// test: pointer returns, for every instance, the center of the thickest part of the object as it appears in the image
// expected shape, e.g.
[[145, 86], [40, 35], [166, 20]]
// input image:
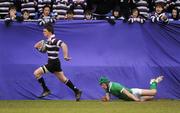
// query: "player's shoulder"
[[116, 84], [53, 39]]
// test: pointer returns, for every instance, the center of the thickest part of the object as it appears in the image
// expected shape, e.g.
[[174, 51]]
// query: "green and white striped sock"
[[153, 85]]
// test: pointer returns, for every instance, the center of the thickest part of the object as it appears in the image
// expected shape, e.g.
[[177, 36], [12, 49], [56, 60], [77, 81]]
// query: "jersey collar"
[[109, 86], [52, 36]]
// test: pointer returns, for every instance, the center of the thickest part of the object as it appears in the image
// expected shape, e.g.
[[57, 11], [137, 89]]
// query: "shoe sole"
[[159, 79], [48, 93], [78, 99]]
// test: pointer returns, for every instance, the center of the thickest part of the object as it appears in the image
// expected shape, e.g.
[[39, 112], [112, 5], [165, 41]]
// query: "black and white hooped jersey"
[[46, 19], [161, 1], [42, 3], [4, 6], [138, 19], [78, 9], [157, 17], [143, 8], [29, 6], [52, 47], [60, 8], [177, 4]]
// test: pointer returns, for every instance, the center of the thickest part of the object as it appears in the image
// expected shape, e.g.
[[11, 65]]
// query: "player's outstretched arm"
[[108, 96], [65, 51], [126, 92]]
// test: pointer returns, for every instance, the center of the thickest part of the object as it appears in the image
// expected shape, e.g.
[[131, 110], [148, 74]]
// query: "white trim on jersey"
[[4, 13], [51, 46], [52, 52], [45, 70], [110, 85], [78, 10], [6, 3], [4, 8], [49, 39], [52, 57], [61, 11], [58, 43], [53, 40], [78, 16], [29, 9], [122, 90]]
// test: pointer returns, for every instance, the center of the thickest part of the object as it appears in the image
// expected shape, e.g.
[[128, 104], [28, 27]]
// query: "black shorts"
[[52, 66]]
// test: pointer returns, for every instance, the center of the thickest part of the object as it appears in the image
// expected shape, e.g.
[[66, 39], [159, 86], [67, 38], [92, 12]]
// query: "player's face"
[[88, 16], [104, 86], [12, 12], [26, 16], [135, 14], [159, 9], [70, 16], [174, 13], [46, 11], [78, 1], [116, 13], [46, 32]]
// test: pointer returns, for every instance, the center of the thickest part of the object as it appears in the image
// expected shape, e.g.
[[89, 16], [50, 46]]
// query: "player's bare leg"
[[153, 87], [149, 92], [147, 98], [63, 78], [38, 74]]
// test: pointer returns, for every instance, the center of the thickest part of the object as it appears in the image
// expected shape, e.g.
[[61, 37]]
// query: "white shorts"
[[137, 92]]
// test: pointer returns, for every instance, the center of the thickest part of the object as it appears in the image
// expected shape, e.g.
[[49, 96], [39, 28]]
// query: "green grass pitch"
[[88, 106]]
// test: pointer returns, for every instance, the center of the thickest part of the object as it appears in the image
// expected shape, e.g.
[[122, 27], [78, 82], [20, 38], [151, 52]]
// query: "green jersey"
[[116, 89]]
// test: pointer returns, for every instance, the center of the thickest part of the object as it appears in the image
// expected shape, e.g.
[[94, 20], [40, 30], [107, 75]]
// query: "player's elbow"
[[154, 91], [63, 45], [64, 48]]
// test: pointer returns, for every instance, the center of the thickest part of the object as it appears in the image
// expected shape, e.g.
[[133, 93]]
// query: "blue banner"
[[131, 54]]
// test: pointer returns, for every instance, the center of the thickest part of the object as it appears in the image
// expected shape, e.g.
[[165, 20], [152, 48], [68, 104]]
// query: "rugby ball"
[[42, 49]]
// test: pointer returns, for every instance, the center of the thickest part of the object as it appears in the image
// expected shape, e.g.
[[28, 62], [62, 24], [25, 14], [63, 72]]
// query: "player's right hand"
[[67, 58]]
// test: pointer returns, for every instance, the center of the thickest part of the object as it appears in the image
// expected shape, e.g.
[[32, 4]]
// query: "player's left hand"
[[164, 18], [67, 58], [104, 99]]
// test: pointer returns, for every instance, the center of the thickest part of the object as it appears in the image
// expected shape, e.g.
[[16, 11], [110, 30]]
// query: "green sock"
[[153, 85]]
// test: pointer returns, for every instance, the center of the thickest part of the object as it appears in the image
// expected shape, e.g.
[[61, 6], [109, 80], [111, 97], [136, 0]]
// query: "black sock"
[[70, 85], [43, 84]]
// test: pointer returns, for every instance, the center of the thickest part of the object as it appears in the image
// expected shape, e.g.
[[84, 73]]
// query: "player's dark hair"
[[47, 6], [177, 17], [160, 5], [70, 11], [134, 10], [49, 27], [12, 7], [25, 11]]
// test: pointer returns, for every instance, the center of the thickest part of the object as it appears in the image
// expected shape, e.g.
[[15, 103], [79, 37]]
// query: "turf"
[[85, 106]]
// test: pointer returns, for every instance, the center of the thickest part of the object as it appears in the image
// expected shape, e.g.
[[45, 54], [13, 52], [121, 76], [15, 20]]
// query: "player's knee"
[[154, 91], [37, 74]]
